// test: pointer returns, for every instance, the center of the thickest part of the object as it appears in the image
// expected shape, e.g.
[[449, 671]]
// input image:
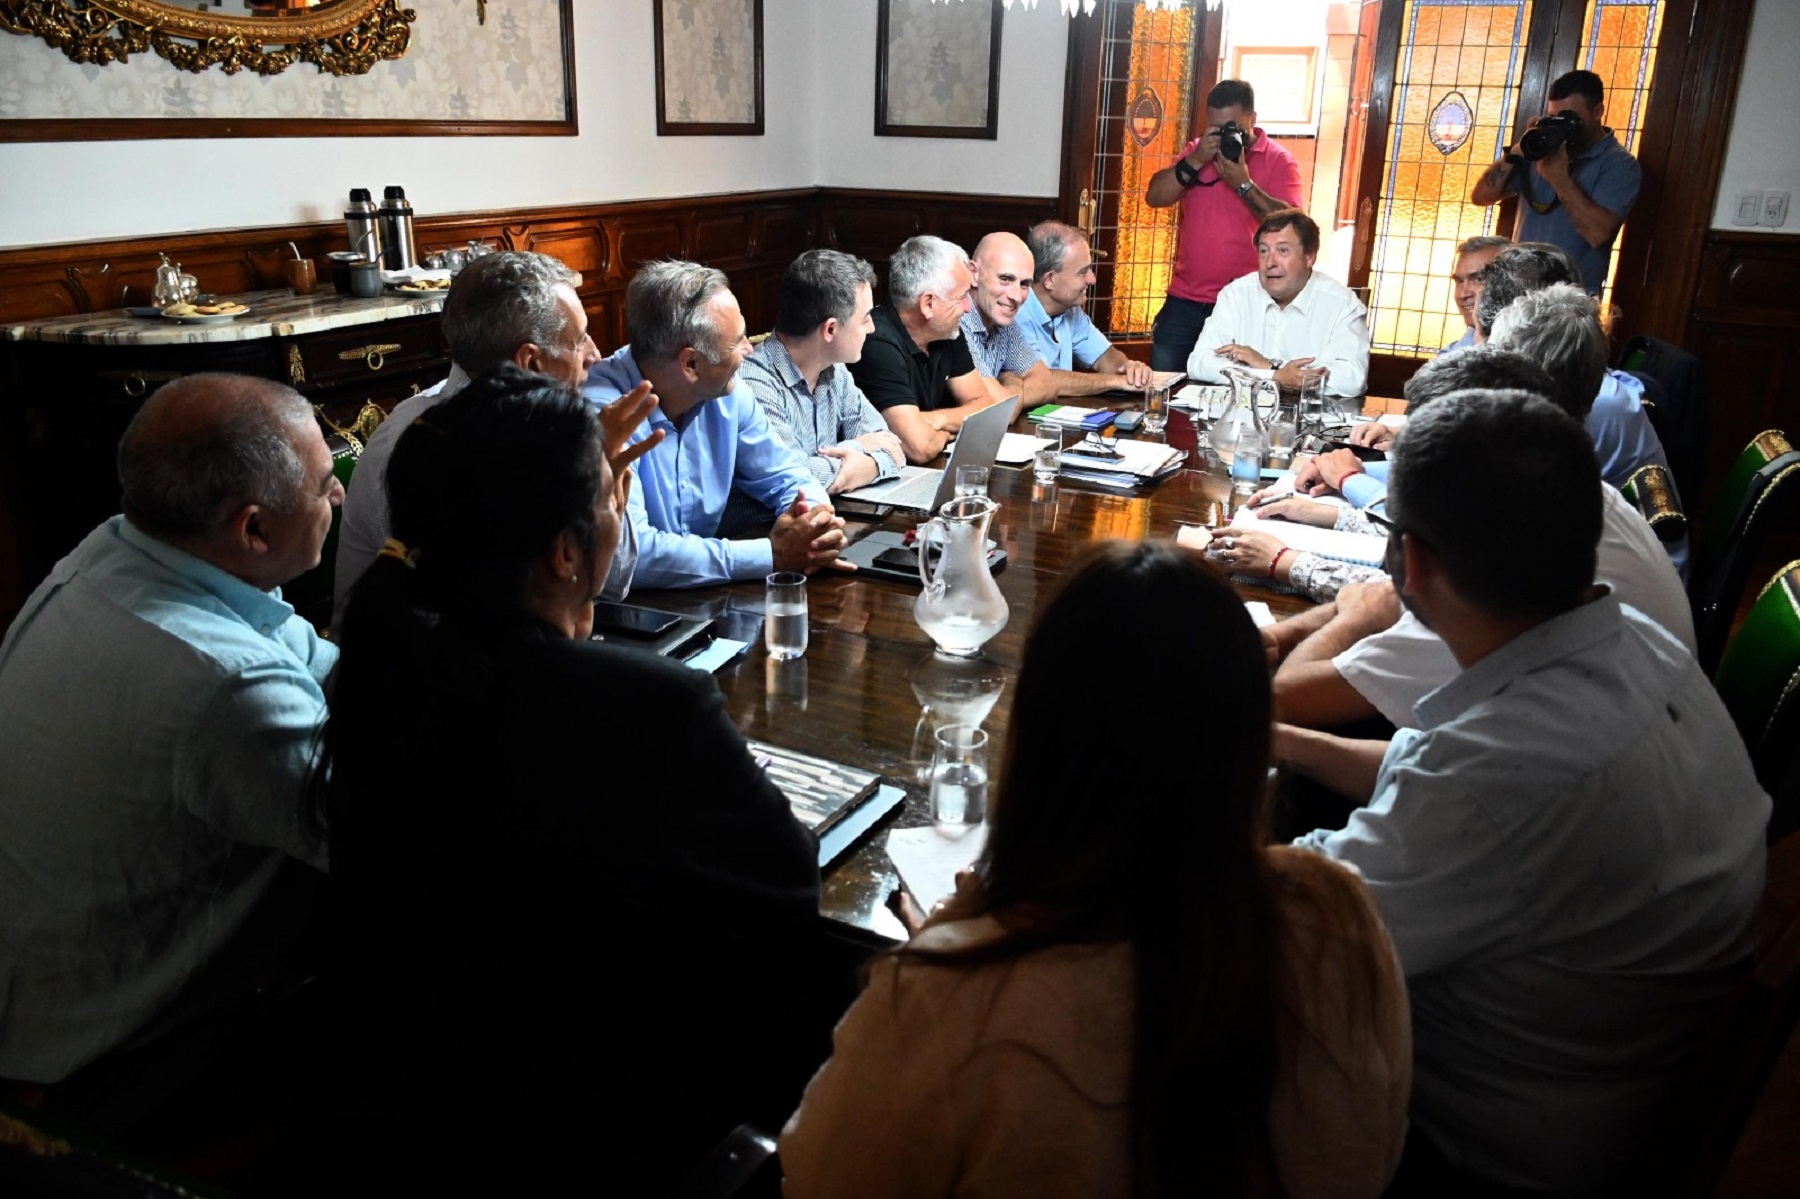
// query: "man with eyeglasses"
[[513, 306], [916, 367]]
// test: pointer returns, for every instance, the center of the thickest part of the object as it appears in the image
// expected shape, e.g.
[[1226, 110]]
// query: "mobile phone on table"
[[644, 624], [1128, 419]]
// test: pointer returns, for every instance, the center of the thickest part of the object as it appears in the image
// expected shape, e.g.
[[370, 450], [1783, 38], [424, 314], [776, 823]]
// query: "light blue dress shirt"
[[1003, 349], [1466, 341], [1625, 441], [1569, 854], [1061, 341], [684, 483], [158, 718]]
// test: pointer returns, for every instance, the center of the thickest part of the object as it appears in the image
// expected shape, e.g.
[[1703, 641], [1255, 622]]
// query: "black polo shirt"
[[894, 371]]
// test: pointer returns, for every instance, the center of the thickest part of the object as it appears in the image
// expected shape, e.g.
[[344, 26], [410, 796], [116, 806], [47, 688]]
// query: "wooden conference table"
[[871, 688]]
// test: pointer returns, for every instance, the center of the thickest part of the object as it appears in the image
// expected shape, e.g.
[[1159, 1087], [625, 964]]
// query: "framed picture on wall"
[[709, 67], [937, 69], [1285, 78]]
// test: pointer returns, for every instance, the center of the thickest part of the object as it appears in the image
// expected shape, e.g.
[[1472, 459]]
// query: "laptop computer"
[[922, 489]]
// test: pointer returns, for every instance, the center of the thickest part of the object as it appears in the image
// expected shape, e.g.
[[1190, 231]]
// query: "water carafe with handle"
[[961, 607]]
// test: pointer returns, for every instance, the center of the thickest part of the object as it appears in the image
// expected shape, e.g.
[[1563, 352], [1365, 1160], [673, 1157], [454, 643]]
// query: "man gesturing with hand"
[[687, 343]]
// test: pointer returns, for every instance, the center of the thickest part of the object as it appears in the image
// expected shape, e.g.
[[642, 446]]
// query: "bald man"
[[159, 707], [1008, 364]]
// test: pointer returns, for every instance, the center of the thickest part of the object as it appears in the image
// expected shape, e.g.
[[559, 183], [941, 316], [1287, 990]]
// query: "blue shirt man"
[[160, 705], [997, 351], [1578, 194], [1061, 340], [683, 484]]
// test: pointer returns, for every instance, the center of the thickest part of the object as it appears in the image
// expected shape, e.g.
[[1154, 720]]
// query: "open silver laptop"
[[922, 489]]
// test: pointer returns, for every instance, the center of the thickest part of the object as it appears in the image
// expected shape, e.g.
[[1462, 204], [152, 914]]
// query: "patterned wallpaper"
[[709, 64], [938, 63], [455, 70]]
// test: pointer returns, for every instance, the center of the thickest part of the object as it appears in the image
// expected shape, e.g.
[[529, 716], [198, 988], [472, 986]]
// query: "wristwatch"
[[1243, 189], [1274, 364]]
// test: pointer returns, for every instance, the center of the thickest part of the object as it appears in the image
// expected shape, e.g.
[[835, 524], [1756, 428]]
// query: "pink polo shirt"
[[1218, 230]]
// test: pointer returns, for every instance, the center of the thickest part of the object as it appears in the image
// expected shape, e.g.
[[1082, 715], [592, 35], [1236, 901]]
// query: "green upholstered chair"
[[1759, 680], [1651, 490], [1760, 491]]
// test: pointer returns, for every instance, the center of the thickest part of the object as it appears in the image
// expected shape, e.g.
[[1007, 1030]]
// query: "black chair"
[[1676, 402], [1758, 493]]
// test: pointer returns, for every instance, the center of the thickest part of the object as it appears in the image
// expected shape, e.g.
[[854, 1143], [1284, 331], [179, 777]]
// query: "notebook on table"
[[838, 803], [922, 489]]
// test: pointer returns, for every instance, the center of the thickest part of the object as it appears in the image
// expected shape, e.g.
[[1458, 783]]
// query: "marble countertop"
[[277, 313]]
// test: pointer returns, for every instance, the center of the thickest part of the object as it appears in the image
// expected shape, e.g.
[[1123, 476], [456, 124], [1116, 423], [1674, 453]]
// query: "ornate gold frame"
[[347, 39]]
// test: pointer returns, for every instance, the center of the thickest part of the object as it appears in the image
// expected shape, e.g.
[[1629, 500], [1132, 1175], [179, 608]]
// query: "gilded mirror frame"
[[348, 38], [352, 29]]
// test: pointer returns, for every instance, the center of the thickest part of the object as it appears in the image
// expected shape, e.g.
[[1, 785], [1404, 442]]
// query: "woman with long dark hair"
[[562, 885], [1132, 994]]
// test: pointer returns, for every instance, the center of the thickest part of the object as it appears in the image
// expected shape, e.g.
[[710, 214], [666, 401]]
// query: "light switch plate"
[[1749, 208], [1774, 208]]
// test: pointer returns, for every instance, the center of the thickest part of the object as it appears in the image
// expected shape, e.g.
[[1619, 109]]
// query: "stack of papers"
[[1209, 400], [1139, 462], [1018, 449]]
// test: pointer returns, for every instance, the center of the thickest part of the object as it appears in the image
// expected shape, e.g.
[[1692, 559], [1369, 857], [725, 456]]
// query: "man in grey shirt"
[[513, 306], [1568, 851], [800, 375]]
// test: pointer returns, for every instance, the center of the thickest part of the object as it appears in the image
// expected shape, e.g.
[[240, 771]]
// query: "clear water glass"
[[1047, 464], [1156, 409], [784, 615], [959, 775], [971, 480], [1246, 462]]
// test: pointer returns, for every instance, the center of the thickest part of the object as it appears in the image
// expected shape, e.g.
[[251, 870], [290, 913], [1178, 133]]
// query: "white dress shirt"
[[1325, 322], [1395, 668]]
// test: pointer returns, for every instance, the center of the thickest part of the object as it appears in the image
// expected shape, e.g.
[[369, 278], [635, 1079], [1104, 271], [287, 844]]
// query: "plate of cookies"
[[421, 285], [216, 313]]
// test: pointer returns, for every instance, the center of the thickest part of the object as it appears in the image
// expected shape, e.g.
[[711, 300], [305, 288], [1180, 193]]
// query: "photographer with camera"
[[1576, 182], [1226, 182]]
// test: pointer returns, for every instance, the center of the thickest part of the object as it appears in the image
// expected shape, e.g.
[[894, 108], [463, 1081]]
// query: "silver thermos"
[[396, 221], [362, 224]]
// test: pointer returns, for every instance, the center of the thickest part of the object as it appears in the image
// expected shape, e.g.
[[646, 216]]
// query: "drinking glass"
[[1048, 462], [1281, 433], [959, 775], [971, 480], [784, 617], [1312, 400], [1156, 409], [1246, 462]]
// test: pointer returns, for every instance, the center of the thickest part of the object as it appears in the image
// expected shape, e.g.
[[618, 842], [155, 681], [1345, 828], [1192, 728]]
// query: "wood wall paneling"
[[1745, 329]]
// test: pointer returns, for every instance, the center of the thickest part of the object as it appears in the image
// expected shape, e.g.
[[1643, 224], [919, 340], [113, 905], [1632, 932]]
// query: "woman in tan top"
[[1131, 994]]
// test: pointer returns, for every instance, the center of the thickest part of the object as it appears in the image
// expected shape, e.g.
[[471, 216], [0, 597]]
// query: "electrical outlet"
[[1774, 208], [1749, 209]]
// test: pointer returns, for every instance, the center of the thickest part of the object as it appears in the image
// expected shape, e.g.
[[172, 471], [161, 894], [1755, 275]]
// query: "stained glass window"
[[1456, 57], [1148, 59]]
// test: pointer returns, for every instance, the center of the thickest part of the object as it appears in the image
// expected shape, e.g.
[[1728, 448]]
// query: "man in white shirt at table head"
[[1286, 316], [1053, 321]]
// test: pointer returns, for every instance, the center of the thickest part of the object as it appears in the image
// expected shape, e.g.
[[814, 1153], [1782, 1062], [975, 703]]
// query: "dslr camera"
[[1234, 139], [1542, 139]]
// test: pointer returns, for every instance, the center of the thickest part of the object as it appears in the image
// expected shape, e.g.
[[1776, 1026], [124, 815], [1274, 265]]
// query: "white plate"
[[205, 318]]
